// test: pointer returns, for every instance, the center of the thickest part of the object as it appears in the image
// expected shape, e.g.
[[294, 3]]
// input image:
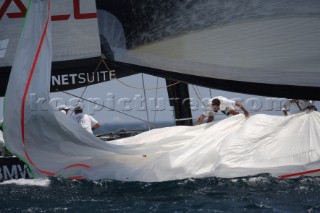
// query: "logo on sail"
[[82, 78]]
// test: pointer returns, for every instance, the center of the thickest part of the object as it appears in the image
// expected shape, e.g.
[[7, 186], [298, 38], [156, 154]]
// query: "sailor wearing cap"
[[86, 121]]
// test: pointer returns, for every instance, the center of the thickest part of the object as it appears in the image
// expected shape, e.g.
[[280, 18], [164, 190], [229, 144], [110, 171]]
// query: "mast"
[[179, 99]]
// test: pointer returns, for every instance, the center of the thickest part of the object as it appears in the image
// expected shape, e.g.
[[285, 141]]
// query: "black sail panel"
[[275, 90], [259, 47]]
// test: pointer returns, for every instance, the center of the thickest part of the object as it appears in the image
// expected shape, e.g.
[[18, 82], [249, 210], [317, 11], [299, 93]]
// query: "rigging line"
[[145, 99], [114, 77], [155, 102], [146, 88], [102, 105], [210, 93], [85, 87], [198, 96], [176, 99], [199, 92]]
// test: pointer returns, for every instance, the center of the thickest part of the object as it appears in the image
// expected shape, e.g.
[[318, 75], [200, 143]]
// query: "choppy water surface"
[[258, 193]]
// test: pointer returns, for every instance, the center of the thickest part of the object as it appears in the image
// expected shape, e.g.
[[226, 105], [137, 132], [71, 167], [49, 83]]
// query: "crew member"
[[299, 105], [86, 121], [223, 104]]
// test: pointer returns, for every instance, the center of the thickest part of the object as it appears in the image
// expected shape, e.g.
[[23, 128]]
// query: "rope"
[[155, 103], [102, 105], [176, 104], [92, 78], [145, 98], [200, 99], [85, 88], [133, 87], [146, 88]]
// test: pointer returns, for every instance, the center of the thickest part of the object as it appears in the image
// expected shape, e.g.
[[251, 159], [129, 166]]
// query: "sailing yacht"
[[255, 48]]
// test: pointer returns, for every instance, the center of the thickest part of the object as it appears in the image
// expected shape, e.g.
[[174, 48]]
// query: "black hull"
[[13, 168]]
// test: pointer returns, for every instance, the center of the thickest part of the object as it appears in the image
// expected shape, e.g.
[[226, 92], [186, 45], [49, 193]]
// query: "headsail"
[[32, 64], [256, 46], [28, 120]]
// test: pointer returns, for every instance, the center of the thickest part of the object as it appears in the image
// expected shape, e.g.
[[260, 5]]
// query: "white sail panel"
[[75, 29], [33, 56]]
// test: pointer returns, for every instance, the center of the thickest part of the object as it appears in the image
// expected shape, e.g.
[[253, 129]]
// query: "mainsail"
[[261, 47], [54, 145]]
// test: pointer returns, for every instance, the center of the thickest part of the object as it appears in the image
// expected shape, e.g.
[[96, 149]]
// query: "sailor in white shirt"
[[296, 105], [223, 104], [86, 121]]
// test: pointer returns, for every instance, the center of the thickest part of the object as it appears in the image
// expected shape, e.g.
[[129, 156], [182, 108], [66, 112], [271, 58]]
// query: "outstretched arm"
[[285, 112], [245, 111], [210, 119], [200, 119], [285, 107], [96, 126]]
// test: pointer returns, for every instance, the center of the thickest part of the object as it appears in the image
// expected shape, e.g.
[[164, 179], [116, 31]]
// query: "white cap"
[[61, 107], [79, 106]]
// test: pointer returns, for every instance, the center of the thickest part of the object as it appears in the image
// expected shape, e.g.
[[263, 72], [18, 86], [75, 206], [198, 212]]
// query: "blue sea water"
[[261, 193]]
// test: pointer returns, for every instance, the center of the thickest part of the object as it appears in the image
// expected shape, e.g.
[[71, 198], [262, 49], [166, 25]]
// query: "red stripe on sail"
[[299, 173], [78, 165], [35, 60], [76, 177]]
